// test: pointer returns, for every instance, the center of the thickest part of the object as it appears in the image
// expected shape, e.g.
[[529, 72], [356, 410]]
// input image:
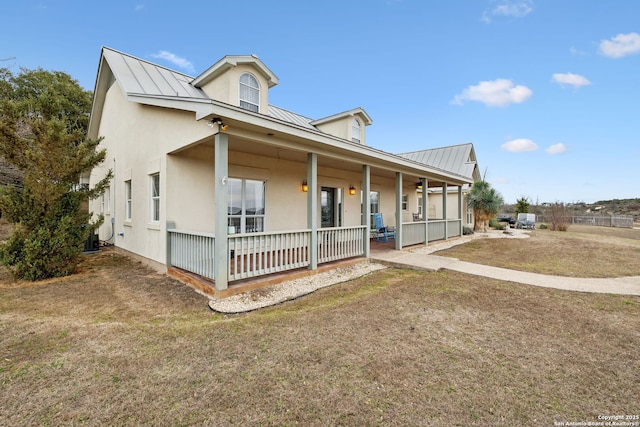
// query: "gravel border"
[[292, 289]]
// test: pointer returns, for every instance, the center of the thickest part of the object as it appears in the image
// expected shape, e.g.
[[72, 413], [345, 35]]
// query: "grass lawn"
[[117, 344], [582, 251]]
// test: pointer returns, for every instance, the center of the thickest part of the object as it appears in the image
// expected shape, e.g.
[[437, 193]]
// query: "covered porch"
[[301, 230]]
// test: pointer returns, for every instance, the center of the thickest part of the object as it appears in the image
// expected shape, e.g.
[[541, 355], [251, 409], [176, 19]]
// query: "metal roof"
[[137, 76], [459, 159]]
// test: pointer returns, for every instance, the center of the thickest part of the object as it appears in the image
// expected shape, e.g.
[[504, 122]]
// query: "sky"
[[548, 91]]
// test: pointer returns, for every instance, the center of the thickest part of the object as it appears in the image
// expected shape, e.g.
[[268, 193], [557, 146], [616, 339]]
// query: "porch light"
[[352, 191], [419, 185], [218, 121], [304, 186]]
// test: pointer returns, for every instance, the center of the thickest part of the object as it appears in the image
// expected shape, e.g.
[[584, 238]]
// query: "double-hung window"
[[249, 93], [246, 210], [127, 200], [155, 197], [355, 131]]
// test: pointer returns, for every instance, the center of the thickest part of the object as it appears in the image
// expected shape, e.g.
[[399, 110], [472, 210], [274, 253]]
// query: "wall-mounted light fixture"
[[218, 121], [419, 185], [304, 186], [352, 190]]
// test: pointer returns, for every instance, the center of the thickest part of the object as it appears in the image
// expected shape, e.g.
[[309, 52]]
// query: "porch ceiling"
[[282, 146]]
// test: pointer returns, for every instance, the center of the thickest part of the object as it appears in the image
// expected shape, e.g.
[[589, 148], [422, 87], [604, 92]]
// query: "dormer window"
[[355, 131], [249, 93]]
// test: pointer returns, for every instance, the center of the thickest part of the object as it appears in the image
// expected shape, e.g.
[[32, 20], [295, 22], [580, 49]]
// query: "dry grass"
[[583, 251], [120, 345]]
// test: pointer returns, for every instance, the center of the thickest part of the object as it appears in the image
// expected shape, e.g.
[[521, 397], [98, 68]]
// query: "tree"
[[485, 202], [43, 123], [522, 205]]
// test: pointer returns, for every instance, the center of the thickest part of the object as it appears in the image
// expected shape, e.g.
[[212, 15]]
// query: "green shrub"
[[467, 231], [543, 227], [50, 250]]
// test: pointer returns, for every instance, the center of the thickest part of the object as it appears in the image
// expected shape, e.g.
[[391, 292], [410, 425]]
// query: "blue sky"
[[547, 90]]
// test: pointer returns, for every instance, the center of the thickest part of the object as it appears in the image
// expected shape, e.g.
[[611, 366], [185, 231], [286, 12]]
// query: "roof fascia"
[[99, 93]]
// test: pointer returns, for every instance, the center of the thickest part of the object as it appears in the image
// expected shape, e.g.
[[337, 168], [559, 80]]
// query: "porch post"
[[398, 210], [312, 208], [444, 210], [425, 209], [460, 207], [170, 226], [221, 252], [366, 208]]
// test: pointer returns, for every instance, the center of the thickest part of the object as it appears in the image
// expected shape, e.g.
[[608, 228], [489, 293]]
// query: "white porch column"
[[425, 209], [398, 210], [312, 208], [366, 208], [460, 208], [444, 210], [221, 251]]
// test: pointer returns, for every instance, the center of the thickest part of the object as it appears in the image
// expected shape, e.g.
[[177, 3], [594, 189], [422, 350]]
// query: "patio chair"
[[381, 232]]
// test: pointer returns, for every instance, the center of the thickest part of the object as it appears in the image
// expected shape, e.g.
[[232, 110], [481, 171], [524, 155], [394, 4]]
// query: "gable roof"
[[231, 61], [459, 159], [142, 80], [350, 113]]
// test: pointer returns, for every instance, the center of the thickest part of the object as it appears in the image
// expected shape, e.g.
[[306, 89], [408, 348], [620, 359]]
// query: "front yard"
[[117, 344]]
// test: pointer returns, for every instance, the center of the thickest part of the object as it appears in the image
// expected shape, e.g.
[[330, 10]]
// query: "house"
[[211, 179]]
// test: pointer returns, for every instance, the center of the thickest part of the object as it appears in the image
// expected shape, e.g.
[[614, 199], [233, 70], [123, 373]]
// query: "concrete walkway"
[[422, 259]]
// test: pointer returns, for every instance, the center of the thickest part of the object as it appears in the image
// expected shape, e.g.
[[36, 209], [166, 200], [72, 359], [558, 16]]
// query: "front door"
[[327, 207]]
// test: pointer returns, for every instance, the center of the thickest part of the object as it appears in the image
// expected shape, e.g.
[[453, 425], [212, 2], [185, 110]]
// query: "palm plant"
[[485, 202]]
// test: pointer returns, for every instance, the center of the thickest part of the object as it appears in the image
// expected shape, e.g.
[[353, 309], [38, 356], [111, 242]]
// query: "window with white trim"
[[155, 197], [405, 202], [246, 208], [127, 200], [355, 131], [249, 93]]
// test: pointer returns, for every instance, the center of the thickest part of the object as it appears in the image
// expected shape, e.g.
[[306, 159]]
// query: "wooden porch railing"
[[257, 254], [340, 242], [192, 251]]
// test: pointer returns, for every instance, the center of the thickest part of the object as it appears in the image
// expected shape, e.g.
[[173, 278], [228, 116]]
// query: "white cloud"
[[520, 145], [558, 148], [621, 45], [577, 52], [500, 180], [138, 7], [575, 80], [515, 8], [174, 59], [497, 93]]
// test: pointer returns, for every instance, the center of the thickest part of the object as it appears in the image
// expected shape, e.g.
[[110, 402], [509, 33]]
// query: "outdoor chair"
[[380, 232]]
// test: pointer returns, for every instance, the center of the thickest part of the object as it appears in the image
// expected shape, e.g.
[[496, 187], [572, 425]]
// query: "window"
[[355, 131], [246, 208], [155, 197], [405, 202], [127, 198], [420, 207], [249, 93], [374, 198], [469, 216]]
